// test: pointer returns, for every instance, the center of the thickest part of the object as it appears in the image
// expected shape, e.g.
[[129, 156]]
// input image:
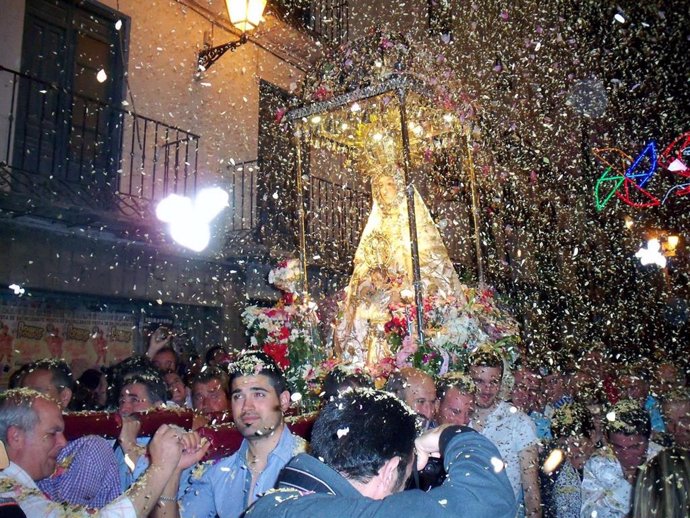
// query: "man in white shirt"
[[610, 474], [511, 430], [31, 427]]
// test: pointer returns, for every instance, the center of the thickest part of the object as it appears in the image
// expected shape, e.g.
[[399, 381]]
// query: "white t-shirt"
[[511, 431], [605, 489]]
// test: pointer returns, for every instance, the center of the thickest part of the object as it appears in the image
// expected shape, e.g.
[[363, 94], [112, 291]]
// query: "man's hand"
[[199, 421], [129, 433], [159, 339], [165, 449], [426, 445], [194, 447]]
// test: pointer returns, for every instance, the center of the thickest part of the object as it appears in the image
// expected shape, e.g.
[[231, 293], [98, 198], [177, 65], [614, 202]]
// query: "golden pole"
[[414, 243], [301, 214], [475, 207]]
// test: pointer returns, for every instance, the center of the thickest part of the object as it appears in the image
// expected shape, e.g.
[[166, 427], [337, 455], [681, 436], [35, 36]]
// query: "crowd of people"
[[559, 441]]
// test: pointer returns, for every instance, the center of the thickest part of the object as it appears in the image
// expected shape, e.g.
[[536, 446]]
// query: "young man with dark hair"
[[676, 408], [609, 476], [259, 398], [512, 431], [88, 473], [363, 445]]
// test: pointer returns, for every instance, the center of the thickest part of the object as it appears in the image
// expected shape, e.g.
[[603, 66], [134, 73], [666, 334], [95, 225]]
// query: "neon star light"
[[628, 178], [617, 174]]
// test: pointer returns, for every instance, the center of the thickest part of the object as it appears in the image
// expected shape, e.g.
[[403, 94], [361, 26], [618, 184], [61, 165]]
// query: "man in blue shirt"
[[363, 445], [140, 392], [259, 396]]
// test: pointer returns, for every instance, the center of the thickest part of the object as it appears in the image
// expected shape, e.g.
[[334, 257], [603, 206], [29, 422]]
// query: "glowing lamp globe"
[[245, 15]]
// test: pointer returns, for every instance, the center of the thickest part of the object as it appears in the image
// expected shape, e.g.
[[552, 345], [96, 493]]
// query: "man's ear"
[[15, 438], [389, 473], [284, 398]]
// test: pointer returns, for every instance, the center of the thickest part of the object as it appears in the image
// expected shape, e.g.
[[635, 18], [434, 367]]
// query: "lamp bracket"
[[209, 56]]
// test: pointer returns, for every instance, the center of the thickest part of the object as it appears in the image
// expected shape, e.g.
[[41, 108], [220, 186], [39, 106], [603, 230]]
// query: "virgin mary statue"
[[382, 272]]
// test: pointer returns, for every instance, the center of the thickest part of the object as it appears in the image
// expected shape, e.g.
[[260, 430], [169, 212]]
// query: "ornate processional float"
[[388, 109]]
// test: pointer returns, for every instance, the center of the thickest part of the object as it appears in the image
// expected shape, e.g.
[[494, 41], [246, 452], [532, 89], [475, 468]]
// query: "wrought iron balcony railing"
[[327, 20], [62, 152], [336, 216]]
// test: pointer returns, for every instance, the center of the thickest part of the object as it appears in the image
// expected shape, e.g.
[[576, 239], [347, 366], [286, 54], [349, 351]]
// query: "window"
[[66, 127]]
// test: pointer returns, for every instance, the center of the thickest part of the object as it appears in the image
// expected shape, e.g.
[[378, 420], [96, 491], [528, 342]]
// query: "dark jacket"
[[473, 488]]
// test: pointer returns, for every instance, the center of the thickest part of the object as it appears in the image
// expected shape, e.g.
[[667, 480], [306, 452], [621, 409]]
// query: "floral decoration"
[[286, 276], [286, 332], [453, 329]]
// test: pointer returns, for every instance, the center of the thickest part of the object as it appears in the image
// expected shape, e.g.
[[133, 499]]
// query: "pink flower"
[[408, 348], [321, 94], [280, 113]]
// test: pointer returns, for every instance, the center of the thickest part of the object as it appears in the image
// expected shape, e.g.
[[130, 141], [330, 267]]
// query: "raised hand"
[[165, 449], [159, 339], [427, 445], [128, 434], [194, 447]]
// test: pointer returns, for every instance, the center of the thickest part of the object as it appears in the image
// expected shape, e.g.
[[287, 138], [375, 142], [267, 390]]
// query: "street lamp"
[[245, 15]]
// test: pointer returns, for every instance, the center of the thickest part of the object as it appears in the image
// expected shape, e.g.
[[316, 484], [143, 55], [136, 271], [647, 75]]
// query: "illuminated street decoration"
[[190, 220], [616, 175], [636, 172], [676, 160], [612, 181], [634, 175]]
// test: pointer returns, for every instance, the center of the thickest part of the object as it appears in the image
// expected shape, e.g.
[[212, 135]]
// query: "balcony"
[[325, 20], [69, 158], [335, 217], [74, 160]]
